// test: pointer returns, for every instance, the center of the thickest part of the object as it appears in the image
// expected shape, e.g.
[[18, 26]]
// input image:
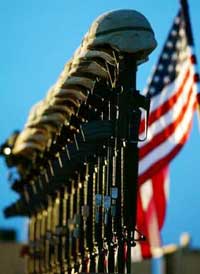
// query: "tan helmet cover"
[[125, 30]]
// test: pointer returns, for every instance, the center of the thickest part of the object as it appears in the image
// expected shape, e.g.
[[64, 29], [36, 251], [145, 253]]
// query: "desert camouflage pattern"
[[107, 36]]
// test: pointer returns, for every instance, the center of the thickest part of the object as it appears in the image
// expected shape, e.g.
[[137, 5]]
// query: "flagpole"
[[188, 27]]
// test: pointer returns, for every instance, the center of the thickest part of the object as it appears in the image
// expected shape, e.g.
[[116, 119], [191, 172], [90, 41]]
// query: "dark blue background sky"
[[37, 38]]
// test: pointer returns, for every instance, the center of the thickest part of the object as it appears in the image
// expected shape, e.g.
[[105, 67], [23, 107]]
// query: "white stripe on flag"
[[163, 149], [171, 115], [164, 96]]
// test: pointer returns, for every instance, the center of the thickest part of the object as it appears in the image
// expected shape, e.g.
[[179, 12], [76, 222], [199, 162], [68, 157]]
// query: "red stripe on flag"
[[164, 134], [152, 225], [193, 59], [159, 194], [196, 78], [142, 227], [165, 160], [164, 108], [198, 98], [151, 205]]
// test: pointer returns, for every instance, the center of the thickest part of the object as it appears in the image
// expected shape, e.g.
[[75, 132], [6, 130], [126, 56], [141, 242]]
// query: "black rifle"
[[64, 238], [31, 261], [43, 235], [58, 229], [130, 102], [77, 222], [49, 236], [114, 192], [94, 257], [85, 214], [71, 226]]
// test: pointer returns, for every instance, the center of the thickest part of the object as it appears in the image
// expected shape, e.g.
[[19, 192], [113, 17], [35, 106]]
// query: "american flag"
[[173, 92]]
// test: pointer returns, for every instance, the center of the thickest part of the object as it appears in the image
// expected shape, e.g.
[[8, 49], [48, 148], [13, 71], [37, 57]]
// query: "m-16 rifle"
[[85, 214]]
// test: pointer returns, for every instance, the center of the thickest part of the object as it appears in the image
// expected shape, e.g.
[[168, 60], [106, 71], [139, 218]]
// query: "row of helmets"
[[124, 31]]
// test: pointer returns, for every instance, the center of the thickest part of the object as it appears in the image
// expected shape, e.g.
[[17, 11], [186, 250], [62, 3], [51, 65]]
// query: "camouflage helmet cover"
[[125, 30]]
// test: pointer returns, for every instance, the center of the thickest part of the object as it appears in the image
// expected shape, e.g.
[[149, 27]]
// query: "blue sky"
[[37, 38]]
